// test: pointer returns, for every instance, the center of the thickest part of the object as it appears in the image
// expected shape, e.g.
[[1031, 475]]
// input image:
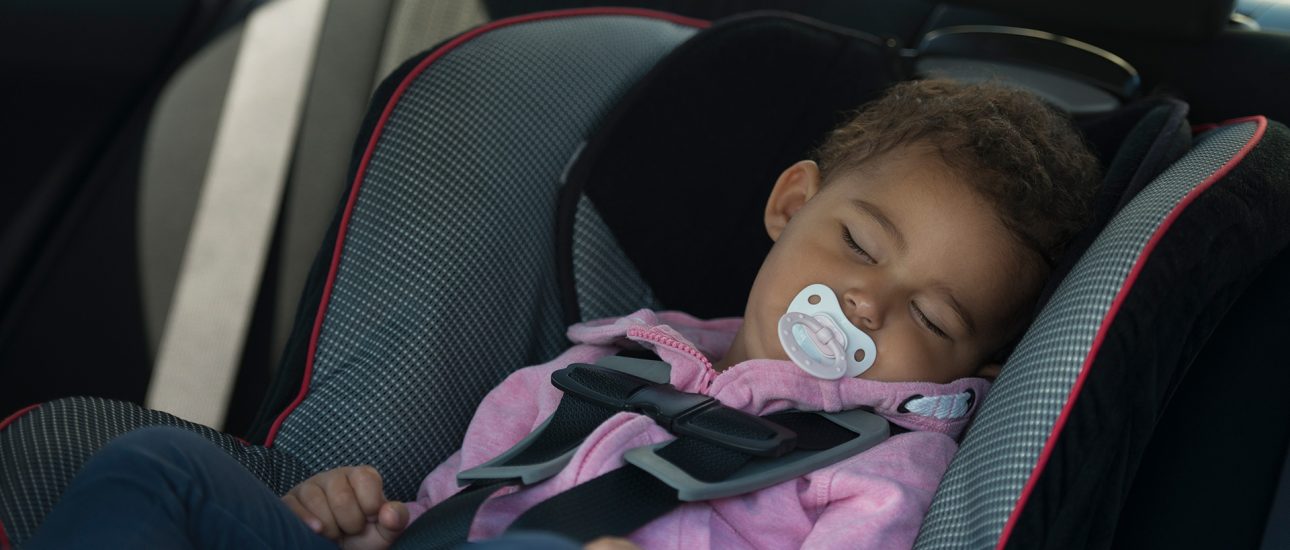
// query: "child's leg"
[[170, 488]]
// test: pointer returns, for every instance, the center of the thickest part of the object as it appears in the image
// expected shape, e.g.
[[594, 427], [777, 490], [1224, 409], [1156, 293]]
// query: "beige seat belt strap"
[[205, 330]]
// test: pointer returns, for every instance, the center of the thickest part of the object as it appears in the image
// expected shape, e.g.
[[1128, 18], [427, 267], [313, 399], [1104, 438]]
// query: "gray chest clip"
[[635, 385]]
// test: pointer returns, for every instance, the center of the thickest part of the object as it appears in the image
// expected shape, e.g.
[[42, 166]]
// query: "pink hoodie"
[[876, 499]]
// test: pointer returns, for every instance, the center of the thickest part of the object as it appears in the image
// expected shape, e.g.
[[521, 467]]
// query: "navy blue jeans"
[[170, 488]]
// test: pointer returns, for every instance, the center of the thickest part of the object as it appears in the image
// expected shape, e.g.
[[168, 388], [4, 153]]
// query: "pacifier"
[[820, 339]]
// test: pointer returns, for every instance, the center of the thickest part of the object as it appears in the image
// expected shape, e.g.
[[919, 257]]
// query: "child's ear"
[[794, 187], [989, 371]]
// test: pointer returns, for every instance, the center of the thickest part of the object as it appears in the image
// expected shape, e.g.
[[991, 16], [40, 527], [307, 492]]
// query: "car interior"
[[423, 168]]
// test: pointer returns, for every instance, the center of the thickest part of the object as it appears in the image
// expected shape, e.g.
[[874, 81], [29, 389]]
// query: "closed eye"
[[923, 320], [851, 242]]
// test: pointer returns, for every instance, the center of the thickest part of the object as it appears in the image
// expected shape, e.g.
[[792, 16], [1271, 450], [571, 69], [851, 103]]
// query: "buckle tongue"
[[667, 405], [682, 413]]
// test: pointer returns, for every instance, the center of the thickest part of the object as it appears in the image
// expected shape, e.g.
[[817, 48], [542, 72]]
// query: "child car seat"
[[436, 278]]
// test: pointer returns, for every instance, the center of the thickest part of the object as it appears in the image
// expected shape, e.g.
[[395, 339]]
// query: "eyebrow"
[[883, 220], [891, 229]]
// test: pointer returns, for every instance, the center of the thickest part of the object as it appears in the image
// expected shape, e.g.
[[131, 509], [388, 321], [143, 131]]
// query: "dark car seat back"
[[451, 259]]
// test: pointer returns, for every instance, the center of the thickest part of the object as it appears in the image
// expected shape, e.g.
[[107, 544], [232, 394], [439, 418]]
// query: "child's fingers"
[[344, 504], [392, 520], [610, 543], [315, 501], [299, 510], [366, 482]]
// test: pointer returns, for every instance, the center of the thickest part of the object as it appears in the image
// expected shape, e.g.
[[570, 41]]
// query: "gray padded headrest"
[[1009, 445]]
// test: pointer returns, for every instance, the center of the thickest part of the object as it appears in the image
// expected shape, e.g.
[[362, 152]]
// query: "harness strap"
[[707, 460], [539, 456], [625, 499], [621, 501], [448, 523]]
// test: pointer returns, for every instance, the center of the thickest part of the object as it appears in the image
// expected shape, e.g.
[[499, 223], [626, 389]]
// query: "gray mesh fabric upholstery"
[[446, 281], [1003, 446], [44, 449], [607, 283]]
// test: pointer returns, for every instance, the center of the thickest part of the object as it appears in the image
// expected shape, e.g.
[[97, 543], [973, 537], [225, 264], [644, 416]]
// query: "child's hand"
[[347, 505], [611, 543]]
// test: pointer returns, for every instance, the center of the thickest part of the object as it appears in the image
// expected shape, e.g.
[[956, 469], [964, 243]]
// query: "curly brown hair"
[[1023, 156]]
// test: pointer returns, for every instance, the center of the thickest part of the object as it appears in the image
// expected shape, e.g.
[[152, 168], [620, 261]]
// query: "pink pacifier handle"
[[827, 336], [825, 339]]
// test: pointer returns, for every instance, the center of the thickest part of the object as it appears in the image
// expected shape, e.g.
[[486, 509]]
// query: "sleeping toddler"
[[907, 260]]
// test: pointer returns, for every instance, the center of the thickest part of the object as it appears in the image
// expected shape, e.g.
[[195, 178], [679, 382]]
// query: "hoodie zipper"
[[710, 372]]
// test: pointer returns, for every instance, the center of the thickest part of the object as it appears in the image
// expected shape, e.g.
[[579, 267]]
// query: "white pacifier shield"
[[819, 338]]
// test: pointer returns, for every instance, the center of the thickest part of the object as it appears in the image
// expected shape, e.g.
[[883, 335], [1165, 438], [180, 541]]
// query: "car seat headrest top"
[[1074, 76], [1189, 20]]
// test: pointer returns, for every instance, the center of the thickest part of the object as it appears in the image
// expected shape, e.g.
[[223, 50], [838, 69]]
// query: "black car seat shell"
[[446, 238]]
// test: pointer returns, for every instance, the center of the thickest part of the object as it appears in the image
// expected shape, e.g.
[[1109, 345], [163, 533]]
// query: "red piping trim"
[[1115, 308], [4, 538], [376, 134], [11, 418]]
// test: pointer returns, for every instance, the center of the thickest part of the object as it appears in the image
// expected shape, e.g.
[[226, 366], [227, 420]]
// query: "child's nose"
[[863, 308]]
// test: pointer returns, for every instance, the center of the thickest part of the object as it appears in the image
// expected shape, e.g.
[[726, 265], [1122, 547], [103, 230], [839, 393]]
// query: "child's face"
[[940, 285]]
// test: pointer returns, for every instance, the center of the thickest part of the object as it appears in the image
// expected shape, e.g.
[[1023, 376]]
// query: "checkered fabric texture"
[[447, 278], [44, 449], [1003, 446], [606, 281]]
